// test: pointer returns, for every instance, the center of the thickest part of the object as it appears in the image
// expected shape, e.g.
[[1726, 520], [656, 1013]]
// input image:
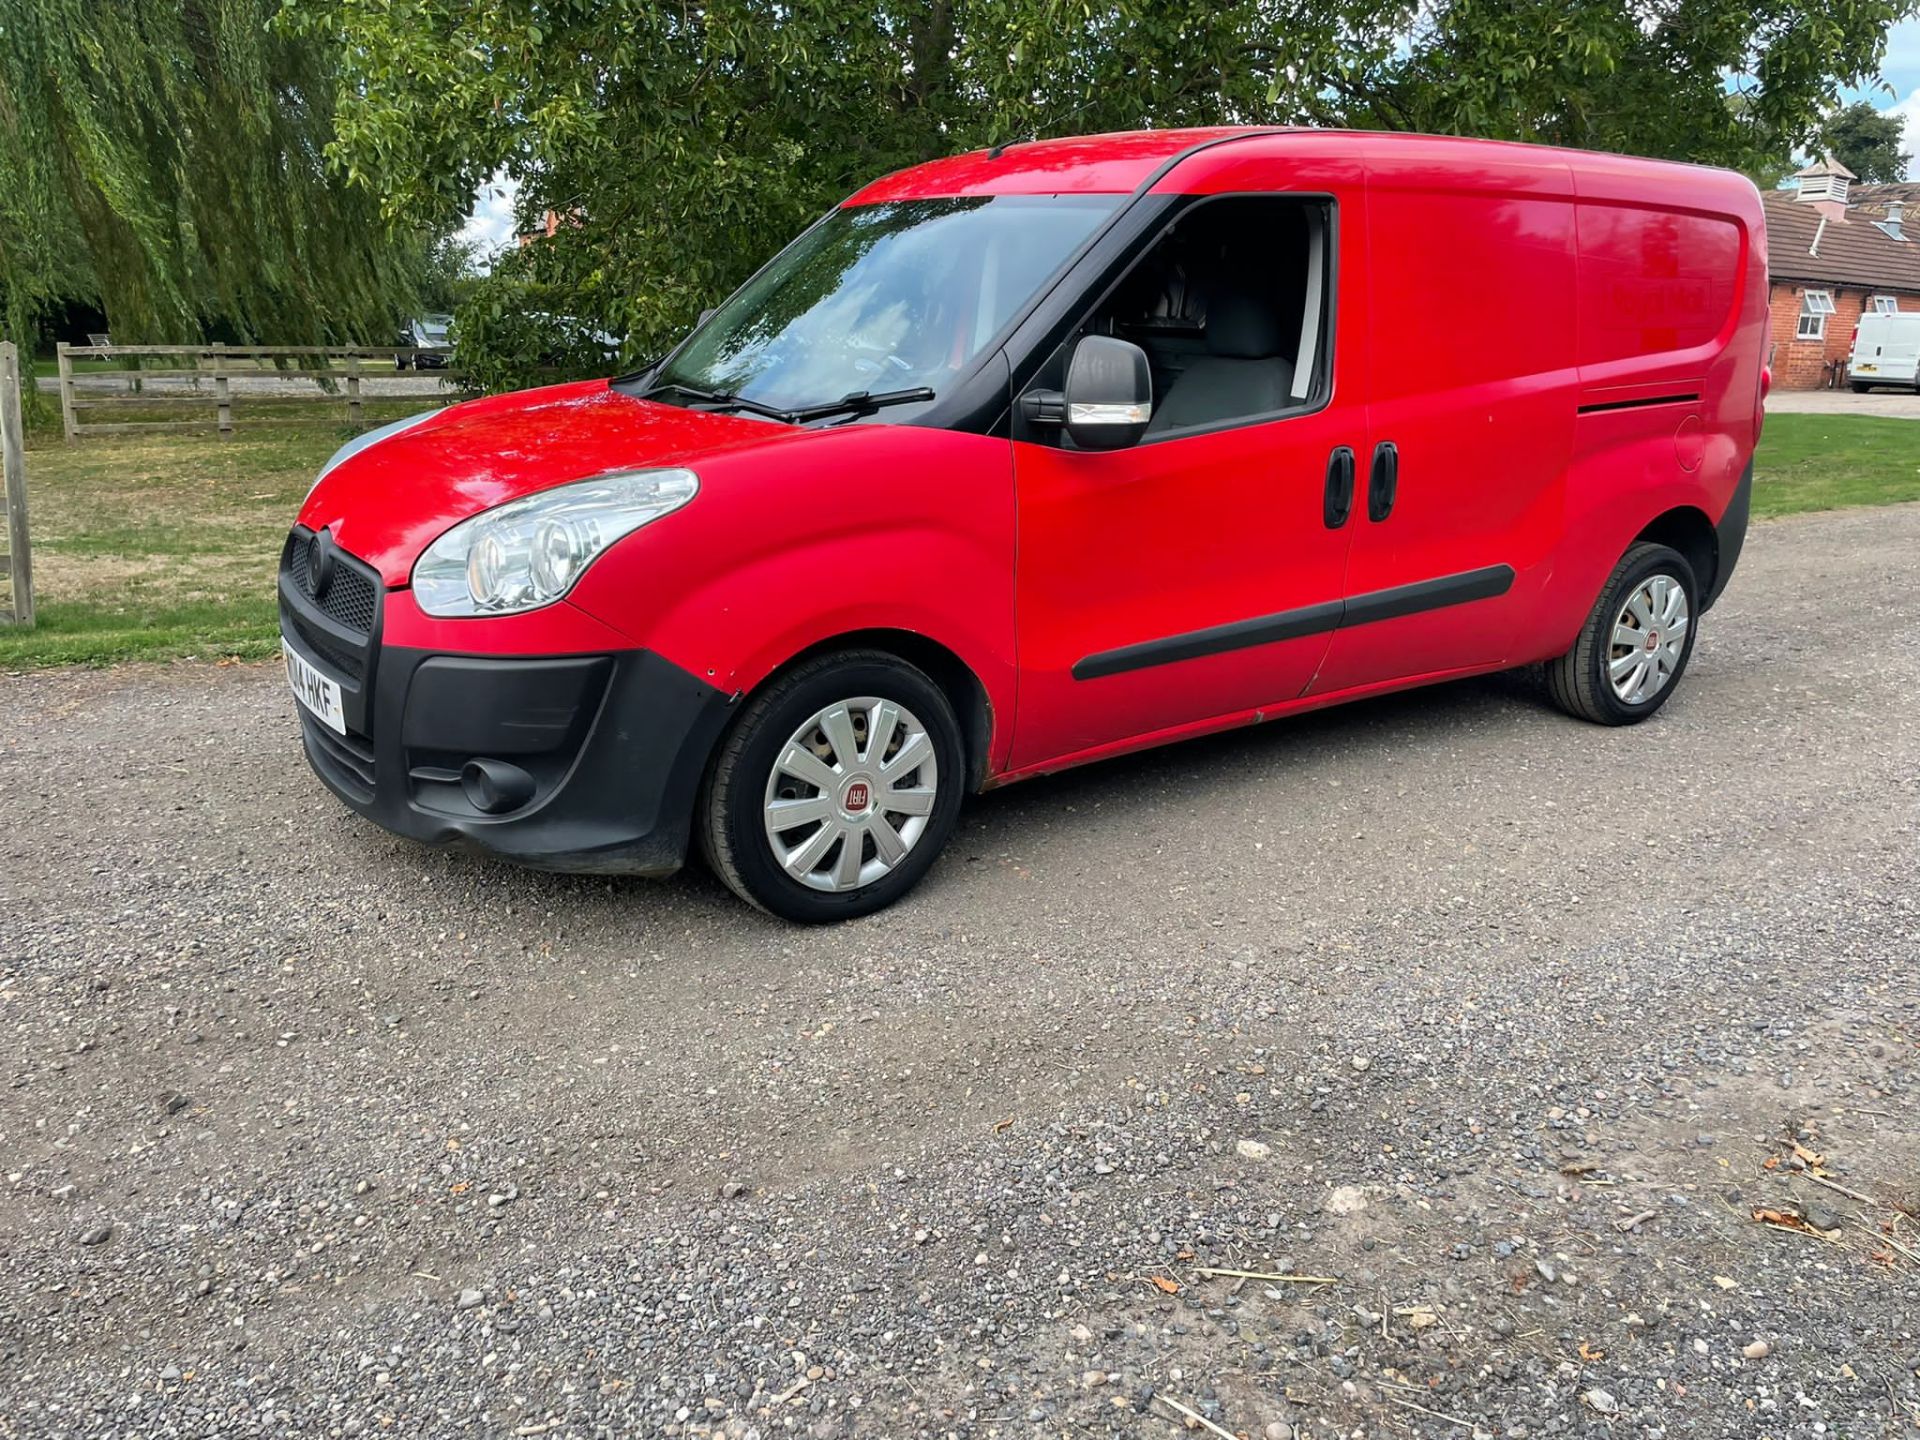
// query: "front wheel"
[[1635, 643], [836, 789]]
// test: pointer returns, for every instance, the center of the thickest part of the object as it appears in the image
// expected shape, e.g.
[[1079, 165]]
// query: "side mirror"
[[1109, 395], [705, 315]]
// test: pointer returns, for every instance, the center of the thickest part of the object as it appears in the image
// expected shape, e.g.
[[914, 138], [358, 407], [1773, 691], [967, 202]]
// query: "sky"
[[1901, 69], [490, 227]]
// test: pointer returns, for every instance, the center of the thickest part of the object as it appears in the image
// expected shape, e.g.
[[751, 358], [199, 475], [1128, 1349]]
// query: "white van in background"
[[1886, 351]]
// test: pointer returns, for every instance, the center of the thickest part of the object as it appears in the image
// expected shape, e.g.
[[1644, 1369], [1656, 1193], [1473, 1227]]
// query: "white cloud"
[[1909, 111], [1903, 51], [490, 228]]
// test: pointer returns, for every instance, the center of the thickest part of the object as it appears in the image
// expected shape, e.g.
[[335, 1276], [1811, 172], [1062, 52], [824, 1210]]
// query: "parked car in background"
[[1886, 351], [432, 332], [1032, 457]]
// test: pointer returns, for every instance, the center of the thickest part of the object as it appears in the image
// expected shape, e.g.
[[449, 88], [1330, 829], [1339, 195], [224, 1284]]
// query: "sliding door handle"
[[1384, 483], [1338, 502]]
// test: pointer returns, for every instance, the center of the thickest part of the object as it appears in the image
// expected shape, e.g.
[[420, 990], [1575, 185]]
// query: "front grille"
[[350, 599], [340, 657], [338, 627]]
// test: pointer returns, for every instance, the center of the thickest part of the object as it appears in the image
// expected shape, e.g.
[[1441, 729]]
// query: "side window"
[[1815, 307], [1233, 306]]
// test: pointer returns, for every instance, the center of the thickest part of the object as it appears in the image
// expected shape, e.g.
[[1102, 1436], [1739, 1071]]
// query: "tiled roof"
[[1855, 252], [1873, 198]]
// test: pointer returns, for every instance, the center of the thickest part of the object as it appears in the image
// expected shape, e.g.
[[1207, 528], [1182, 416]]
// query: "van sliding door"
[[1471, 395]]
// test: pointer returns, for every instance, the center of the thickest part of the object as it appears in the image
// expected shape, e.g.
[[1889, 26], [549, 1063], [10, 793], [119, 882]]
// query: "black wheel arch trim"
[[1731, 538], [1374, 606]]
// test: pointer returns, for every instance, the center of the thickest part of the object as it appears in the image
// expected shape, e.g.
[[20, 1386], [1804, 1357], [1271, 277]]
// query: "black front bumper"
[[614, 745]]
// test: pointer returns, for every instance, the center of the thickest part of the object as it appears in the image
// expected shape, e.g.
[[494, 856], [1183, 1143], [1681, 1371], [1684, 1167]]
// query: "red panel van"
[[1038, 455]]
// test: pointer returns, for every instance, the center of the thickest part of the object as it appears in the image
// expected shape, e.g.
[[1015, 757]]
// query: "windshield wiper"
[[859, 402], [721, 399]]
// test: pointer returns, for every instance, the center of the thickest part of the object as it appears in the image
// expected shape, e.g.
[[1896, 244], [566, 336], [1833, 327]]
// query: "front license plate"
[[320, 695]]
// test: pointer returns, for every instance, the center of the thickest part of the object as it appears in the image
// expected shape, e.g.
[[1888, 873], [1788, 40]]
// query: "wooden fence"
[[303, 374], [16, 566]]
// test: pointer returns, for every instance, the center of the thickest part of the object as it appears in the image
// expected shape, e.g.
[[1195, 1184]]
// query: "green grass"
[[164, 546], [1826, 462], [161, 546]]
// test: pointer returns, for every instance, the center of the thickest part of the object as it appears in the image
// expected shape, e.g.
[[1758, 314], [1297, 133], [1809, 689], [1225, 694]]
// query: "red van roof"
[[1083, 164], [1120, 163]]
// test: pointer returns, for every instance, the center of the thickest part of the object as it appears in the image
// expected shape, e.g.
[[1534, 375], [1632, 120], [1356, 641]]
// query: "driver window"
[[1231, 307]]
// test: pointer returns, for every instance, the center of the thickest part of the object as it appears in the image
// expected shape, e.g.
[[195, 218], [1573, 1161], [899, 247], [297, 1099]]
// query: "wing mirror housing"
[[1108, 399]]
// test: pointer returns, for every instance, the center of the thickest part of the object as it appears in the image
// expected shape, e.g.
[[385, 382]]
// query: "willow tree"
[[680, 141], [166, 159]]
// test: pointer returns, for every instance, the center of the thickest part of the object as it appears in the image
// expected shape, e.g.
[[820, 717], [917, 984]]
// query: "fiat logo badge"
[[320, 563], [858, 795]]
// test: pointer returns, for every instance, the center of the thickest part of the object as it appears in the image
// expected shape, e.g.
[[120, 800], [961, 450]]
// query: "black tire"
[[1579, 680], [731, 821], [1860, 387]]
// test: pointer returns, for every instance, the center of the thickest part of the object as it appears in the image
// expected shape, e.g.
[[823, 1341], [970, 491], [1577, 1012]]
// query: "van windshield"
[[882, 298]]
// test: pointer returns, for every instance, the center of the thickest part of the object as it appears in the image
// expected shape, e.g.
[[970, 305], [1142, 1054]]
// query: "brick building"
[[1835, 249]]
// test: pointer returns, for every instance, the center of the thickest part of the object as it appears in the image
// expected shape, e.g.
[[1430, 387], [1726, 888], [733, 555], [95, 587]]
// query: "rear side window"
[[1653, 282]]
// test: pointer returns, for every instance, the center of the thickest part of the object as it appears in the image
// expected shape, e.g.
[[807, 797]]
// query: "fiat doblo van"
[[1035, 456]]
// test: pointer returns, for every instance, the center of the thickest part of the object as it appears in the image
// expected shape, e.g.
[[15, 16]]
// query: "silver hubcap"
[[851, 793], [1649, 637]]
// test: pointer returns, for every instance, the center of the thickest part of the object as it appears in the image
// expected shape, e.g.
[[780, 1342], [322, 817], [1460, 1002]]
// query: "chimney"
[[1895, 209], [1823, 185]]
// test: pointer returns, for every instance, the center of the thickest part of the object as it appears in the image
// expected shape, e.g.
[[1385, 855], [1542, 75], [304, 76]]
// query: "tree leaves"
[[1867, 142], [685, 141], [165, 157]]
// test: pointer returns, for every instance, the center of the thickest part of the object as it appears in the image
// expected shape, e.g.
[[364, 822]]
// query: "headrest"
[[1241, 327]]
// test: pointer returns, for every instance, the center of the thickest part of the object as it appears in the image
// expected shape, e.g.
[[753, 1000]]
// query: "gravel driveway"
[[1887, 403], [1502, 1025]]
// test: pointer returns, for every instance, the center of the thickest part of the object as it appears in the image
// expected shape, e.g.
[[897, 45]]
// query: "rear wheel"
[[1635, 643], [1860, 387], [836, 789]]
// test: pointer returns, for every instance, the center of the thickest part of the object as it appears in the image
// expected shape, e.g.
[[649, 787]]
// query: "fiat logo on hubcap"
[[1653, 640], [859, 795]]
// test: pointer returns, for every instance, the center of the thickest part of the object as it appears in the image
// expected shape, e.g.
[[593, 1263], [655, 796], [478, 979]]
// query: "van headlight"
[[528, 552]]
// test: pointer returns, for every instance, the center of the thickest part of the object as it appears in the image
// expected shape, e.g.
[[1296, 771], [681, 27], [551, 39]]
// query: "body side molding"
[[1391, 604]]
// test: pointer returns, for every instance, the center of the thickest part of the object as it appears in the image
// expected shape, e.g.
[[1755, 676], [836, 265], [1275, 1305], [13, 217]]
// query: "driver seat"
[[1242, 374]]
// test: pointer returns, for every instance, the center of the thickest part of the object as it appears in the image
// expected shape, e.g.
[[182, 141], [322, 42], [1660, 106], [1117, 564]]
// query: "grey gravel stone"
[[1564, 937]]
